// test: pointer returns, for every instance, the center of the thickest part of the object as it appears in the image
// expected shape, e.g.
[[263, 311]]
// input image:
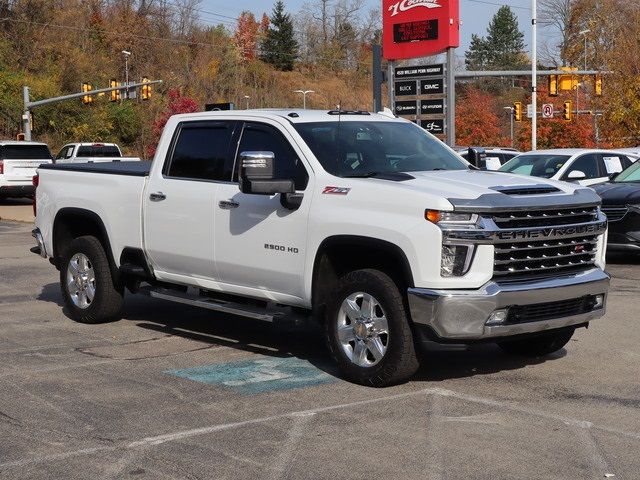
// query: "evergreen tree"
[[502, 48], [279, 46]]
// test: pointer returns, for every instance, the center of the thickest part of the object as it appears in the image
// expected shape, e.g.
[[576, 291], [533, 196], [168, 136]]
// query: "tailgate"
[[21, 170]]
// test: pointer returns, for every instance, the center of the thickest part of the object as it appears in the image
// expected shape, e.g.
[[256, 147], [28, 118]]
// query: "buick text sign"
[[435, 70], [431, 87], [435, 127], [432, 107], [407, 107], [406, 88], [419, 28]]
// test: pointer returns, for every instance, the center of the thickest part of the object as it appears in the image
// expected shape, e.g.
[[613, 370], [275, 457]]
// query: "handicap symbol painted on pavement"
[[258, 376]]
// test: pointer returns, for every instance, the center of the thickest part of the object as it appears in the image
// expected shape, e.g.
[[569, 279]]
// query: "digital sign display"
[[415, 31]]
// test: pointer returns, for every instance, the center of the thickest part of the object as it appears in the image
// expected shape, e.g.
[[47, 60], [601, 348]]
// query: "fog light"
[[456, 260], [498, 317], [598, 301]]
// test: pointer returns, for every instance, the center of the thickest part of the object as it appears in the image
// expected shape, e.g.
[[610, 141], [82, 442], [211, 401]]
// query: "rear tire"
[[368, 331], [88, 289], [538, 346]]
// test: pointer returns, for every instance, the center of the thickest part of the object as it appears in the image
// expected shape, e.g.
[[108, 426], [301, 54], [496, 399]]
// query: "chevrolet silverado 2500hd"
[[362, 221]]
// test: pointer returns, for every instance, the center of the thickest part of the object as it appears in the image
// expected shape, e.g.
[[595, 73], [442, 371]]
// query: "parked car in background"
[[488, 158], [621, 204], [92, 153], [635, 151], [584, 166], [18, 164]]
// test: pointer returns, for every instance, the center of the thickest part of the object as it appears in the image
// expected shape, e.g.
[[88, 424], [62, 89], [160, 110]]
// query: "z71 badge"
[[336, 190]]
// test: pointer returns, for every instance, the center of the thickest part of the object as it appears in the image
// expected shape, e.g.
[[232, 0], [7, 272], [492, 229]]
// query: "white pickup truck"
[[92, 153], [18, 164], [363, 222]]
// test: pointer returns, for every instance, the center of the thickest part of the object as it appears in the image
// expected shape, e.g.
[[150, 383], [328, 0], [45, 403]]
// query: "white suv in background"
[[581, 165], [18, 163]]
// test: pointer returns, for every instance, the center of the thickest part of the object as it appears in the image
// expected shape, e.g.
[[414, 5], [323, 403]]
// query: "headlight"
[[635, 208], [456, 260], [450, 218]]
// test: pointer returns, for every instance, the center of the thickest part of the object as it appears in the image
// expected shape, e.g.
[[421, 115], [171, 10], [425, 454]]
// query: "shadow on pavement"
[[439, 362], [623, 258]]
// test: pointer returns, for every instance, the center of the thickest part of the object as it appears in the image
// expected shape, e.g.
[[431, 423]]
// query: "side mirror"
[[576, 175], [257, 172], [614, 175]]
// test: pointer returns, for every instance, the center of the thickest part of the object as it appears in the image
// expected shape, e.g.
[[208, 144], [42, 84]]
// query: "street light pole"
[[584, 34], [534, 74], [247, 97], [304, 96], [126, 54]]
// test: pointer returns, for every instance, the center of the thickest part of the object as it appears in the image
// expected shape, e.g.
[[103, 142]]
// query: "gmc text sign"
[[419, 28]]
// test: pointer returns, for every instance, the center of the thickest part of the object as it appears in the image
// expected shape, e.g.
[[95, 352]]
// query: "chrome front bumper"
[[463, 314]]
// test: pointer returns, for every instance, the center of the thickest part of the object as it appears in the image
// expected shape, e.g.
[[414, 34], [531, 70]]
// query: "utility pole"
[[534, 74], [247, 98], [511, 113], [26, 115]]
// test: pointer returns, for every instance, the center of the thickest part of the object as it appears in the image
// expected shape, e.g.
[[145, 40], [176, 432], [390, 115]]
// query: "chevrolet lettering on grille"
[[552, 232]]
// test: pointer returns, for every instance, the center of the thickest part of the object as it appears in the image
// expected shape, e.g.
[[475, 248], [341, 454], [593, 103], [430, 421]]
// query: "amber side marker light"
[[432, 215]]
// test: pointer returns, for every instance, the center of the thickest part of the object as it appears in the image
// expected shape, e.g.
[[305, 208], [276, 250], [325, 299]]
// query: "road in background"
[[17, 209], [172, 391]]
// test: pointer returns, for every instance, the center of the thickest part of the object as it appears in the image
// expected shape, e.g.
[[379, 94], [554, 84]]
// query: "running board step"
[[233, 308]]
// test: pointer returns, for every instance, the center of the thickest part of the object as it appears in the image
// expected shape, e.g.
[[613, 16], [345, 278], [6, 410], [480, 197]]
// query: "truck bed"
[[132, 169]]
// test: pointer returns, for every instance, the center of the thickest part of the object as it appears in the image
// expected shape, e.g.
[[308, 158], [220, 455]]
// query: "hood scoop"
[[526, 189]]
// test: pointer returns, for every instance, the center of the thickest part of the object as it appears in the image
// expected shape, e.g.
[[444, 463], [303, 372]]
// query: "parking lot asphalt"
[[17, 209], [175, 392]]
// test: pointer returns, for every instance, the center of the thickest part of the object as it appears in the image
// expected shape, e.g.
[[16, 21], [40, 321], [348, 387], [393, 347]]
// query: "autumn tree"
[[246, 35], [177, 104], [477, 120]]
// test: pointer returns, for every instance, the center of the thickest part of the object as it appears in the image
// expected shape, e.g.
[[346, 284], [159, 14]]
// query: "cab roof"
[[295, 115]]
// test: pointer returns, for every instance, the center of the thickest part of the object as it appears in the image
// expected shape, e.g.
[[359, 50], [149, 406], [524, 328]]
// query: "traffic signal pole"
[[28, 105], [534, 75]]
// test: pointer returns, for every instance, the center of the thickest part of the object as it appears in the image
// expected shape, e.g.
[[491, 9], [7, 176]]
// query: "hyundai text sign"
[[419, 28]]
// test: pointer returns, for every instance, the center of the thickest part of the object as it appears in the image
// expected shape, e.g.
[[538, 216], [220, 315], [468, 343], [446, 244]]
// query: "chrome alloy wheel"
[[363, 330], [81, 281]]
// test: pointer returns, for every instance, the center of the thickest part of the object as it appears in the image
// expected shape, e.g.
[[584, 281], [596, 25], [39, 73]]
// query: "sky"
[[475, 14]]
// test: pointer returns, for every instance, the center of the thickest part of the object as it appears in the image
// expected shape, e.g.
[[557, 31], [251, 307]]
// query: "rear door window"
[[201, 151], [98, 151]]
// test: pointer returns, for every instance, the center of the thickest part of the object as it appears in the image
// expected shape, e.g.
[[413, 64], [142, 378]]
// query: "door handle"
[[157, 197], [228, 204]]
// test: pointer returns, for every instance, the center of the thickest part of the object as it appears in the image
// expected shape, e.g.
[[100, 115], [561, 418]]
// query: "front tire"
[[368, 331], [538, 346], [88, 289]]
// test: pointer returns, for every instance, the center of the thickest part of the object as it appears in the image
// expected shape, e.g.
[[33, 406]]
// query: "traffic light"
[[553, 85], [567, 111], [517, 111], [115, 94], [145, 91], [598, 85], [86, 99]]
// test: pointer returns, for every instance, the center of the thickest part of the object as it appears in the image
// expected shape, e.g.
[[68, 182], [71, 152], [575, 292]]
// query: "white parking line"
[[170, 437], [288, 451]]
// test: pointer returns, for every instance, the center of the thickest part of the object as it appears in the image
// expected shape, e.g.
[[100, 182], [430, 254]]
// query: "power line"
[[486, 2]]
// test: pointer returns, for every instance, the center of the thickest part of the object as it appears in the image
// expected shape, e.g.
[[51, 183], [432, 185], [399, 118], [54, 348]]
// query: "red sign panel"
[[419, 28]]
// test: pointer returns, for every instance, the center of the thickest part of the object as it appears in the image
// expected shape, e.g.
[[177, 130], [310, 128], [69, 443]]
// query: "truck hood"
[[621, 193], [476, 190], [471, 184]]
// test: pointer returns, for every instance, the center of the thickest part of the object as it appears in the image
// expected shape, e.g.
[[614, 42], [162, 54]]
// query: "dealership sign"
[[419, 28]]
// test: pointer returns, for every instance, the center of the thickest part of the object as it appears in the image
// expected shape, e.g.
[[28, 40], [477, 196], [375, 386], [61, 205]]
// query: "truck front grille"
[[545, 218], [544, 257], [615, 213], [548, 311]]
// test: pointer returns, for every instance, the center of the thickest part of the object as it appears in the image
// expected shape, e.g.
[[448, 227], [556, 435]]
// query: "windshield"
[[540, 165], [25, 152], [631, 174], [98, 151], [351, 149]]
